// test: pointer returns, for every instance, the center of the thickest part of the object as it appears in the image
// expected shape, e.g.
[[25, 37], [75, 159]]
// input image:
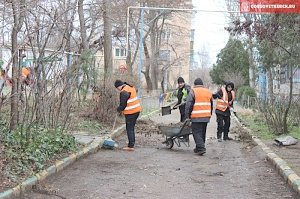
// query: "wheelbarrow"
[[176, 134]]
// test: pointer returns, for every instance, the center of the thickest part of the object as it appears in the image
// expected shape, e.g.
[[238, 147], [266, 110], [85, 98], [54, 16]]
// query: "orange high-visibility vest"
[[25, 72], [133, 104], [222, 104], [202, 105]]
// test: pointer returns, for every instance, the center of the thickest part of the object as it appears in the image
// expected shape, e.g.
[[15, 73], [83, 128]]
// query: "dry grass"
[[246, 112]]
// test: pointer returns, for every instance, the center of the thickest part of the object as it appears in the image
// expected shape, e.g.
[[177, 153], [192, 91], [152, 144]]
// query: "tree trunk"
[[285, 116], [270, 84], [108, 65], [84, 44], [18, 18], [128, 59], [153, 59], [148, 65], [251, 65], [131, 57], [14, 112]]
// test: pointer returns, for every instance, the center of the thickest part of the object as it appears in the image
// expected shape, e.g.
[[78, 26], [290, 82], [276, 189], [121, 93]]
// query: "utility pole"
[[140, 65]]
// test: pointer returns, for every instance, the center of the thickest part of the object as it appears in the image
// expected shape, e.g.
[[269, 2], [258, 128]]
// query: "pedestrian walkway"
[[229, 170]]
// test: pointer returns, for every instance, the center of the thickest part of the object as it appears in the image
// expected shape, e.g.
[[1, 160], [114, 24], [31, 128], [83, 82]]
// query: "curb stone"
[[59, 165], [281, 166]]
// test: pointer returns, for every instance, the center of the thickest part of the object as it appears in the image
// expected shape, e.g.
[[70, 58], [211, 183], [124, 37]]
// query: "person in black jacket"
[[130, 106], [225, 97], [199, 107], [182, 93]]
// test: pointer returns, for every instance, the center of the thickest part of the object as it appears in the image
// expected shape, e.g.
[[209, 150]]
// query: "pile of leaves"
[[146, 127], [26, 156]]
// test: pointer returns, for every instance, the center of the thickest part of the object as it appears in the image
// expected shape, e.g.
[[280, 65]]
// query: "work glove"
[[216, 95], [176, 106], [187, 120]]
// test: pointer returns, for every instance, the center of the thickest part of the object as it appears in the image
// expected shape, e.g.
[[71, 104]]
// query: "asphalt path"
[[229, 170]]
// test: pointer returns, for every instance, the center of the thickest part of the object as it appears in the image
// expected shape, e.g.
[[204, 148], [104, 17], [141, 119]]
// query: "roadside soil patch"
[[4, 181], [8, 181], [289, 153]]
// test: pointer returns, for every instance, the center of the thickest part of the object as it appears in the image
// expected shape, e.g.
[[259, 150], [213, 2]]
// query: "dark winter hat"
[[231, 84], [198, 81], [180, 80], [118, 83]]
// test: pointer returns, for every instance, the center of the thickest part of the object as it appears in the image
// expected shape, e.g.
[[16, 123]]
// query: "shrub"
[[244, 92], [30, 155]]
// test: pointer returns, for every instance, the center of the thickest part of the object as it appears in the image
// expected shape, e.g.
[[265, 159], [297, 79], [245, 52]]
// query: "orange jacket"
[[25, 72], [202, 105], [133, 104]]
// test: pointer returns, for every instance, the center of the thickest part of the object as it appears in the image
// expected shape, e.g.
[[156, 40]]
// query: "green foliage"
[[277, 38], [91, 126], [217, 75], [295, 132], [258, 126], [295, 113], [1, 63], [88, 72], [232, 59], [244, 92], [43, 146], [257, 123]]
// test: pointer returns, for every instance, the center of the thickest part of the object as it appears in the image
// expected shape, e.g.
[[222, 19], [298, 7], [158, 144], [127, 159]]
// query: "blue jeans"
[[199, 134], [130, 124]]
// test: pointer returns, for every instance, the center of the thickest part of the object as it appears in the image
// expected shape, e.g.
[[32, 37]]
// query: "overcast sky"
[[209, 28]]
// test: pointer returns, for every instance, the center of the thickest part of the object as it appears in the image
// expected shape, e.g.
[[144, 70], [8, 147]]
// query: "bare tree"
[[156, 35], [18, 11], [107, 37], [235, 77], [83, 35]]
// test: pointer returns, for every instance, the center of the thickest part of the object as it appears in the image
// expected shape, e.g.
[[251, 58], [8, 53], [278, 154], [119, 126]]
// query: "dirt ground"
[[289, 153], [229, 170], [3, 180]]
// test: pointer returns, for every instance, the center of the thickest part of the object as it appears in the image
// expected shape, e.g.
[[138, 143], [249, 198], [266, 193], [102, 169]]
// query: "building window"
[[120, 52], [164, 55], [165, 35], [296, 75]]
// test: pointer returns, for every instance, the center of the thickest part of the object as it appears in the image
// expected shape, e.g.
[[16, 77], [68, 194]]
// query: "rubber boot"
[[226, 136], [219, 136]]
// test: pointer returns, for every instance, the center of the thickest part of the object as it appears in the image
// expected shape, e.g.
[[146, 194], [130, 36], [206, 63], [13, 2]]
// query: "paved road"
[[229, 170]]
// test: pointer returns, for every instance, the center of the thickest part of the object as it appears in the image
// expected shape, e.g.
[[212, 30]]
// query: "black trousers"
[[182, 117], [199, 134], [182, 112], [223, 125], [130, 124]]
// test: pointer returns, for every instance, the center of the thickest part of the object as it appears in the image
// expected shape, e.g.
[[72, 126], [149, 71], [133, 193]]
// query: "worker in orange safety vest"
[[199, 107], [225, 98], [130, 106]]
